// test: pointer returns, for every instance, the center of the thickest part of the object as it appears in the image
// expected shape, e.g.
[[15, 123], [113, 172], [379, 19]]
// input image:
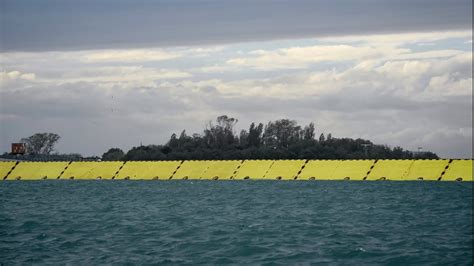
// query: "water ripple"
[[257, 222]]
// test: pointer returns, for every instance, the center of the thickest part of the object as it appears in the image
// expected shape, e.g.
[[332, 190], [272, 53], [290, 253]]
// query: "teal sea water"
[[235, 222]]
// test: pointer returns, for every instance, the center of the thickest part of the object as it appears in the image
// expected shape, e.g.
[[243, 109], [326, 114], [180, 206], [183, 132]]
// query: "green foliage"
[[280, 139], [41, 143], [113, 154]]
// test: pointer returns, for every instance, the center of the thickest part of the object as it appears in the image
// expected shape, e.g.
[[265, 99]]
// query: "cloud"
[[135, 55], [13, 75], [377, 48], [137, 75], [422, 78], [90, 24], [301, 57], [104, 77], [222, 68], [397, 39], [390, 91]]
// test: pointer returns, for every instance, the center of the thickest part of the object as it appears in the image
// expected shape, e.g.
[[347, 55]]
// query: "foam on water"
[[189, 222]]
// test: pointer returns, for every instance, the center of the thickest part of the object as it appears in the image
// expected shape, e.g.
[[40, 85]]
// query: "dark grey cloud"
[[69, 25]]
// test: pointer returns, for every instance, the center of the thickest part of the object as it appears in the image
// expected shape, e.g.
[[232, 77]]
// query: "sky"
[[105, 73]]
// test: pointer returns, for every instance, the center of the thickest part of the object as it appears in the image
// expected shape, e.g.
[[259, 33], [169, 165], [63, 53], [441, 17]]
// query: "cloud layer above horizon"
[[404, 80], [51, 25]]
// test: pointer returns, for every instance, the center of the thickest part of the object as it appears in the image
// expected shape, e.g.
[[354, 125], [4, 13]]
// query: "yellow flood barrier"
[[5, 168], [427, 169], [318, 170], [284, 169], [37, 170], [352, 170], [458, 170], [253, 169], [191, 169], [91, 170], [221, 169], [390, 170], [148, 170], [447, 170]]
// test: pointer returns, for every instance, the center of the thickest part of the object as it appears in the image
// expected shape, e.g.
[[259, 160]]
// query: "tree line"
[[280, 139]]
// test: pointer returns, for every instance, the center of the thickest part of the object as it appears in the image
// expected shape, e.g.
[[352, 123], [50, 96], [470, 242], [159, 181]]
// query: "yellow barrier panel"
[[37, 170], [352, 170], [221, 169], [390, 170], [318, 170], [284, 169], [426, 169], [249, 169], [148, 170], [253, 169], [459, 170], [5, 168], [91, 170], [79, 170], [191, 169]]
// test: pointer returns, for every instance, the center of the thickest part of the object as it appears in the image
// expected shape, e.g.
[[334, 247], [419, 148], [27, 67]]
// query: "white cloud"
[[14, 75], [366, 86], [423, 78], [28, 76], [302, 57], [203, 51], [123, 74], [424, 55], [448, 84], [142, 55], [352, 48], [425, 44], [397, 39], [106, 77], [223, 68]]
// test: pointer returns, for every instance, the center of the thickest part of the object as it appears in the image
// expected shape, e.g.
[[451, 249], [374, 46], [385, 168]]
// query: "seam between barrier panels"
[[407, 172], [237, 169], [266, 172], [331, 177], [176, 169], [203, 173], [118, 171], [11, 169], [301, 170], [370, 170], [445, 169], [64, 170]]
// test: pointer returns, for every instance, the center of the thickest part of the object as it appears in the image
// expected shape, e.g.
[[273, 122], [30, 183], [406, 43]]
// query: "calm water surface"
[[225, 222]]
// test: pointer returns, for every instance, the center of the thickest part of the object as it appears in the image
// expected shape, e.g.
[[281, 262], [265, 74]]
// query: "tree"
[[255, 135], [308, 132], [329, 137], [113, 154], [281, 133], [280, 139], [222, 134], [321, 138], [144, 153], [41, 143], [183, 139], [244, 138], [174, 142]]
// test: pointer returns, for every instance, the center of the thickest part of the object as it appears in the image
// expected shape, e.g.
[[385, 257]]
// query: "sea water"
[[235, 222]]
